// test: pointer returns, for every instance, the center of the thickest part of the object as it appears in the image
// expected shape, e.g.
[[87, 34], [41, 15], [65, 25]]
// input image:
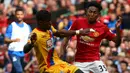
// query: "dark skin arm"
[[117, 39], [61, 33], [66, 33], [28, 47], [8, 41], [30, 44]]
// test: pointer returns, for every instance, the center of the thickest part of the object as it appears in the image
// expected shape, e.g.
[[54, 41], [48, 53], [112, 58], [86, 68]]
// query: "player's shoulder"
[[35, 30], [81, 19], [38, 31], [101, 24], [26, 24]]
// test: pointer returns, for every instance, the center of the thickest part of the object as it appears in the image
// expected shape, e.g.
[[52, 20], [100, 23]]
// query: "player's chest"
[[93, 36], [99, 30], [44, 38]]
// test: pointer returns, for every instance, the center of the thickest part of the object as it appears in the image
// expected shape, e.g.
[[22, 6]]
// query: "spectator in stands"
[[124, 66], [112, 22], [104, 10], [111, 7], [126, 17], [8, 68]]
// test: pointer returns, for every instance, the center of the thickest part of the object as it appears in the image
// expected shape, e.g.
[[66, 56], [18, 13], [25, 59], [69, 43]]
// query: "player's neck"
[[19, 22], [92, 23], [39, 28]]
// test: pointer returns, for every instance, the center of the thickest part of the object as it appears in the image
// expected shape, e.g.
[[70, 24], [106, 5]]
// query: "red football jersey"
[[88, 45]]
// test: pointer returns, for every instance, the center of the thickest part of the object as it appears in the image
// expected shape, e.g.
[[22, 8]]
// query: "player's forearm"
[[27, 47], [118, 37], [7, 40], [65, 33]]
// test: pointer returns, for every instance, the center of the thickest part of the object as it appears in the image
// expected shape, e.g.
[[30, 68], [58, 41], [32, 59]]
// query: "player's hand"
[[86, 31], [118, 23], [16, 40], [33, 38]]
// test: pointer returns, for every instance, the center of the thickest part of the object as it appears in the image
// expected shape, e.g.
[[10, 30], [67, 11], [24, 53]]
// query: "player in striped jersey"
[[43, 43]]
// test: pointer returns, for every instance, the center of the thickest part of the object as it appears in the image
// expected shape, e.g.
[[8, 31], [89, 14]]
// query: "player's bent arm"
[[27, 47], [8, 41], [67, 33], [117, 39]]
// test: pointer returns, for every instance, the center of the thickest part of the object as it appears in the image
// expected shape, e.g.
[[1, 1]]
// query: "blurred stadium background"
[[64, 12]]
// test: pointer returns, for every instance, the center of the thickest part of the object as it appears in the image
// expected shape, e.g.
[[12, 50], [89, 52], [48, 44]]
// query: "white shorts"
[[95, 67]]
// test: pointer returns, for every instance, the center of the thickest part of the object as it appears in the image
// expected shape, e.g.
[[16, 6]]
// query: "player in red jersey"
[[87, 57]]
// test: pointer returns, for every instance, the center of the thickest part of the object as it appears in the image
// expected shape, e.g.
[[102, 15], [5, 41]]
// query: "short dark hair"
[[124, 62], [93, 3], [43, 15], [19, 9]]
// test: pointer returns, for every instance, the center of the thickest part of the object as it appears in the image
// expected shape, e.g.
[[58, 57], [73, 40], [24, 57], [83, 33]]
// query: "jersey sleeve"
[[74, 25], [30, 29], [108, 34], [53, 29], [31, 32], [8, 33]]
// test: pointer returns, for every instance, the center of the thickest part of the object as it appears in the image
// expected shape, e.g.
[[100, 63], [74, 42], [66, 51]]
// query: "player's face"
[[45, 25], [92, 14], [19, 15]]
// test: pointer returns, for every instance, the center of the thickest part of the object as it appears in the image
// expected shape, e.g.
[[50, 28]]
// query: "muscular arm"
[[117, 39], [27, 47], [7, 40], [65, 33], [112, 37], [30, 44]]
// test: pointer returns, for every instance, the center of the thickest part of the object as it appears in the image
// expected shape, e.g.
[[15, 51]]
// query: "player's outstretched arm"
[[67, 33], [64, 33], [28, 47], [30, 44], [117, 39]]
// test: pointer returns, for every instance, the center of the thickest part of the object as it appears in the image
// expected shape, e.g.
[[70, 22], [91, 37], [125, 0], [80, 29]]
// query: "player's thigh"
[[83, 66], [99, 67]]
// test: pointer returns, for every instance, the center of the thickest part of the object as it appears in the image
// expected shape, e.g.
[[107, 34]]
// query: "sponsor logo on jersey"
[[96, 34]]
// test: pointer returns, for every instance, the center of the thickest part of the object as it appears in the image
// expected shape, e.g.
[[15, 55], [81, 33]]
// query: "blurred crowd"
[[64, 12]]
